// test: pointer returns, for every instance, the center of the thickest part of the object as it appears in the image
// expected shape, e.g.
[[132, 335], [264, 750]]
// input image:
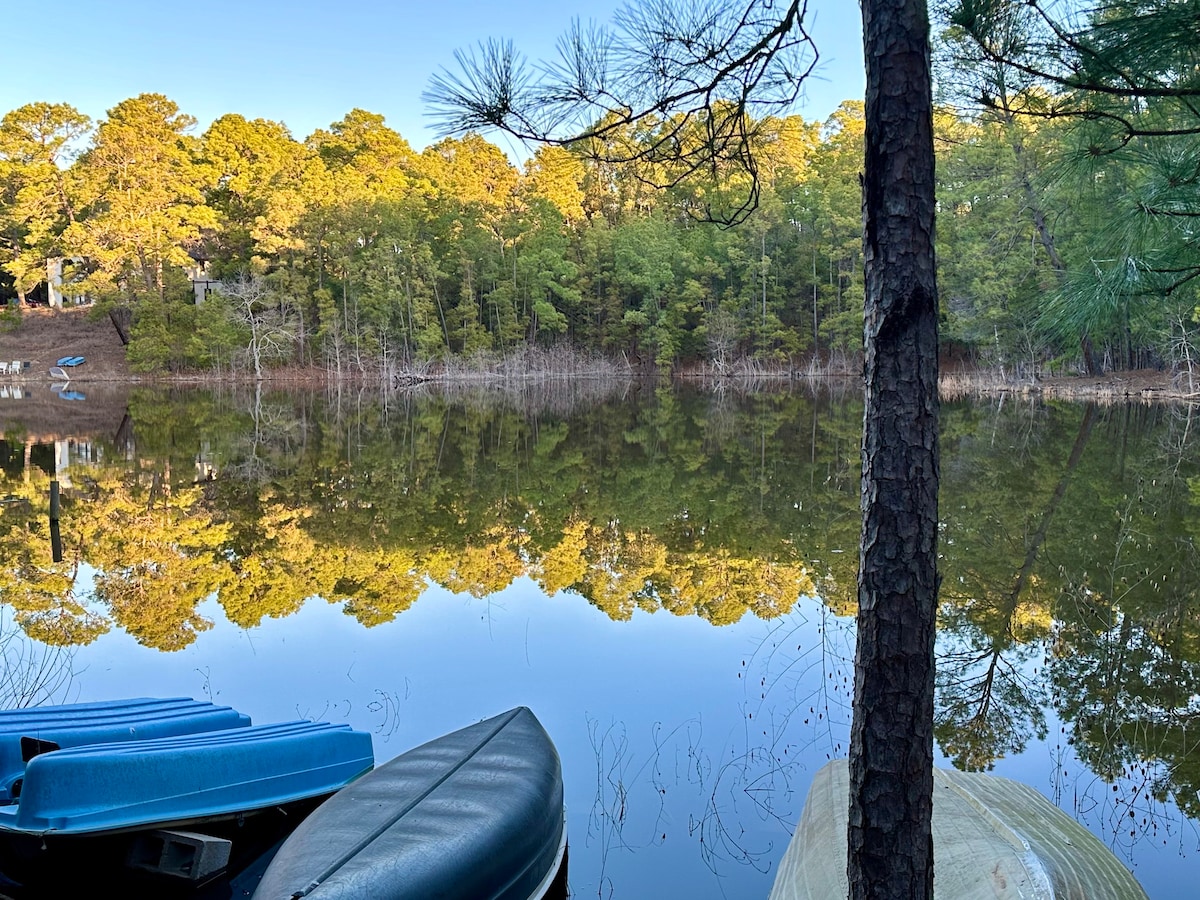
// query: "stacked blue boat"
[[178, 797], [174, 789]]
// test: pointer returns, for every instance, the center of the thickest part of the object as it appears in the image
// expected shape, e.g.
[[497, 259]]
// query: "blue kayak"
[[184, 780], [476, 814], [27, 732], [152, 795]]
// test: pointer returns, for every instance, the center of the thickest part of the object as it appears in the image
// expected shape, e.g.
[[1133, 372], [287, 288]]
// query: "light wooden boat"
[[993, 839]]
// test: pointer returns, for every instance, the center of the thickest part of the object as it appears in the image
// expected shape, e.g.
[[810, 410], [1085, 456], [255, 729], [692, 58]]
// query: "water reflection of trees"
[[1038, 606], [40, 590], [631, 505], [1126, 663], [994, 615], [1068, 536], [1077, 594], [744, 798], [32, 672]]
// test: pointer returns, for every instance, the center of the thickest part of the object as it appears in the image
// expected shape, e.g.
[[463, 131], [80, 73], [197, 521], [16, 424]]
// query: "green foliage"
[[1123, 75], [221, 332], [10, 318], [149, 346], [167, 336], [141, 198], [37, 194]]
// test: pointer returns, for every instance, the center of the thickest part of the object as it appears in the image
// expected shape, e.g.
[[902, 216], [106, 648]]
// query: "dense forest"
[[1066, 231]]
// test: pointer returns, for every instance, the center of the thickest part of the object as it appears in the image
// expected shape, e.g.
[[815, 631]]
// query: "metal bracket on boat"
[[179, 854], [31, 747]]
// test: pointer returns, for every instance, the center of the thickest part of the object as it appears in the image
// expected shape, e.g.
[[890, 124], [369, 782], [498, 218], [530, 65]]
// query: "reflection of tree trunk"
[[1183, 442], [1124, 443], [1060, 490], [156, 490], [985, 688], [123, 439], [978, 693], [1122, 645], [257, 414]]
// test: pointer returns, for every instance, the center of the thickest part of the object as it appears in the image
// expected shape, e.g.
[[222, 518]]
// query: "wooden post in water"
[[56, 553]]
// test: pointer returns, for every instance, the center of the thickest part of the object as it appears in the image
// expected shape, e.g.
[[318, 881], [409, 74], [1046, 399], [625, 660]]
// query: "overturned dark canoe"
[[476, 814]]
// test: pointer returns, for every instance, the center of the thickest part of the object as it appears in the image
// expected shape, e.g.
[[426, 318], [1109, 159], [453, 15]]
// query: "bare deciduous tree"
[[268, 318]]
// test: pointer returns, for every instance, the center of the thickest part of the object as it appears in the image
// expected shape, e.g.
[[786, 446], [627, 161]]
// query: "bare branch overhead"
[[691, 81]]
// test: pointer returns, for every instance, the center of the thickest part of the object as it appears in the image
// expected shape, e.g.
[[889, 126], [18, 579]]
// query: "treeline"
[[351, 251]]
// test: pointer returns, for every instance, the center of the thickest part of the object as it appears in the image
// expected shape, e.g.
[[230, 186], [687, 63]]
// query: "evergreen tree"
[[37, 197], [1126, 73]]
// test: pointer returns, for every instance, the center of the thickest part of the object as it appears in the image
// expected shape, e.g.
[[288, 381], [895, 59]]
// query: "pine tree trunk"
[[1042, 229], [891, 745]]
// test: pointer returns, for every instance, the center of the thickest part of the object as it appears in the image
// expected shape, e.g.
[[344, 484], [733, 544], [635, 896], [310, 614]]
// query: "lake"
[[664, 574]]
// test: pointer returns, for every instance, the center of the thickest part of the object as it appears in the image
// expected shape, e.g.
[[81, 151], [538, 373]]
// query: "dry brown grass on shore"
[[1146, 386], [41, 336], [527, 364]]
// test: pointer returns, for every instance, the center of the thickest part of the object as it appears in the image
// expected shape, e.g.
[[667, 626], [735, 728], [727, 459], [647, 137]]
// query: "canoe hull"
[[476, 814]]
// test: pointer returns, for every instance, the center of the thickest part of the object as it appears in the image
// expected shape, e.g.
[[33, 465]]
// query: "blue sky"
[[306, 63]]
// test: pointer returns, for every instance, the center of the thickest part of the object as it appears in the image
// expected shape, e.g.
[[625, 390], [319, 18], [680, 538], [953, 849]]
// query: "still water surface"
[[665, 576]]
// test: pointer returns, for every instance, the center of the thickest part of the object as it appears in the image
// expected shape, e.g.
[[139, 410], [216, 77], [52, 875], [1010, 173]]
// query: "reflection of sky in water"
[[653, 718], [687, 749]]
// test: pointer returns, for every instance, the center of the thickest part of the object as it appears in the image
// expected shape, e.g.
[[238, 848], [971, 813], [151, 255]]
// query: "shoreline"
[[41, 337], [1117, 386]]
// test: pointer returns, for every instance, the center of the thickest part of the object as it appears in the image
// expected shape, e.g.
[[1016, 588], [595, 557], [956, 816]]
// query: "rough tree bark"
[[891, 744]]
